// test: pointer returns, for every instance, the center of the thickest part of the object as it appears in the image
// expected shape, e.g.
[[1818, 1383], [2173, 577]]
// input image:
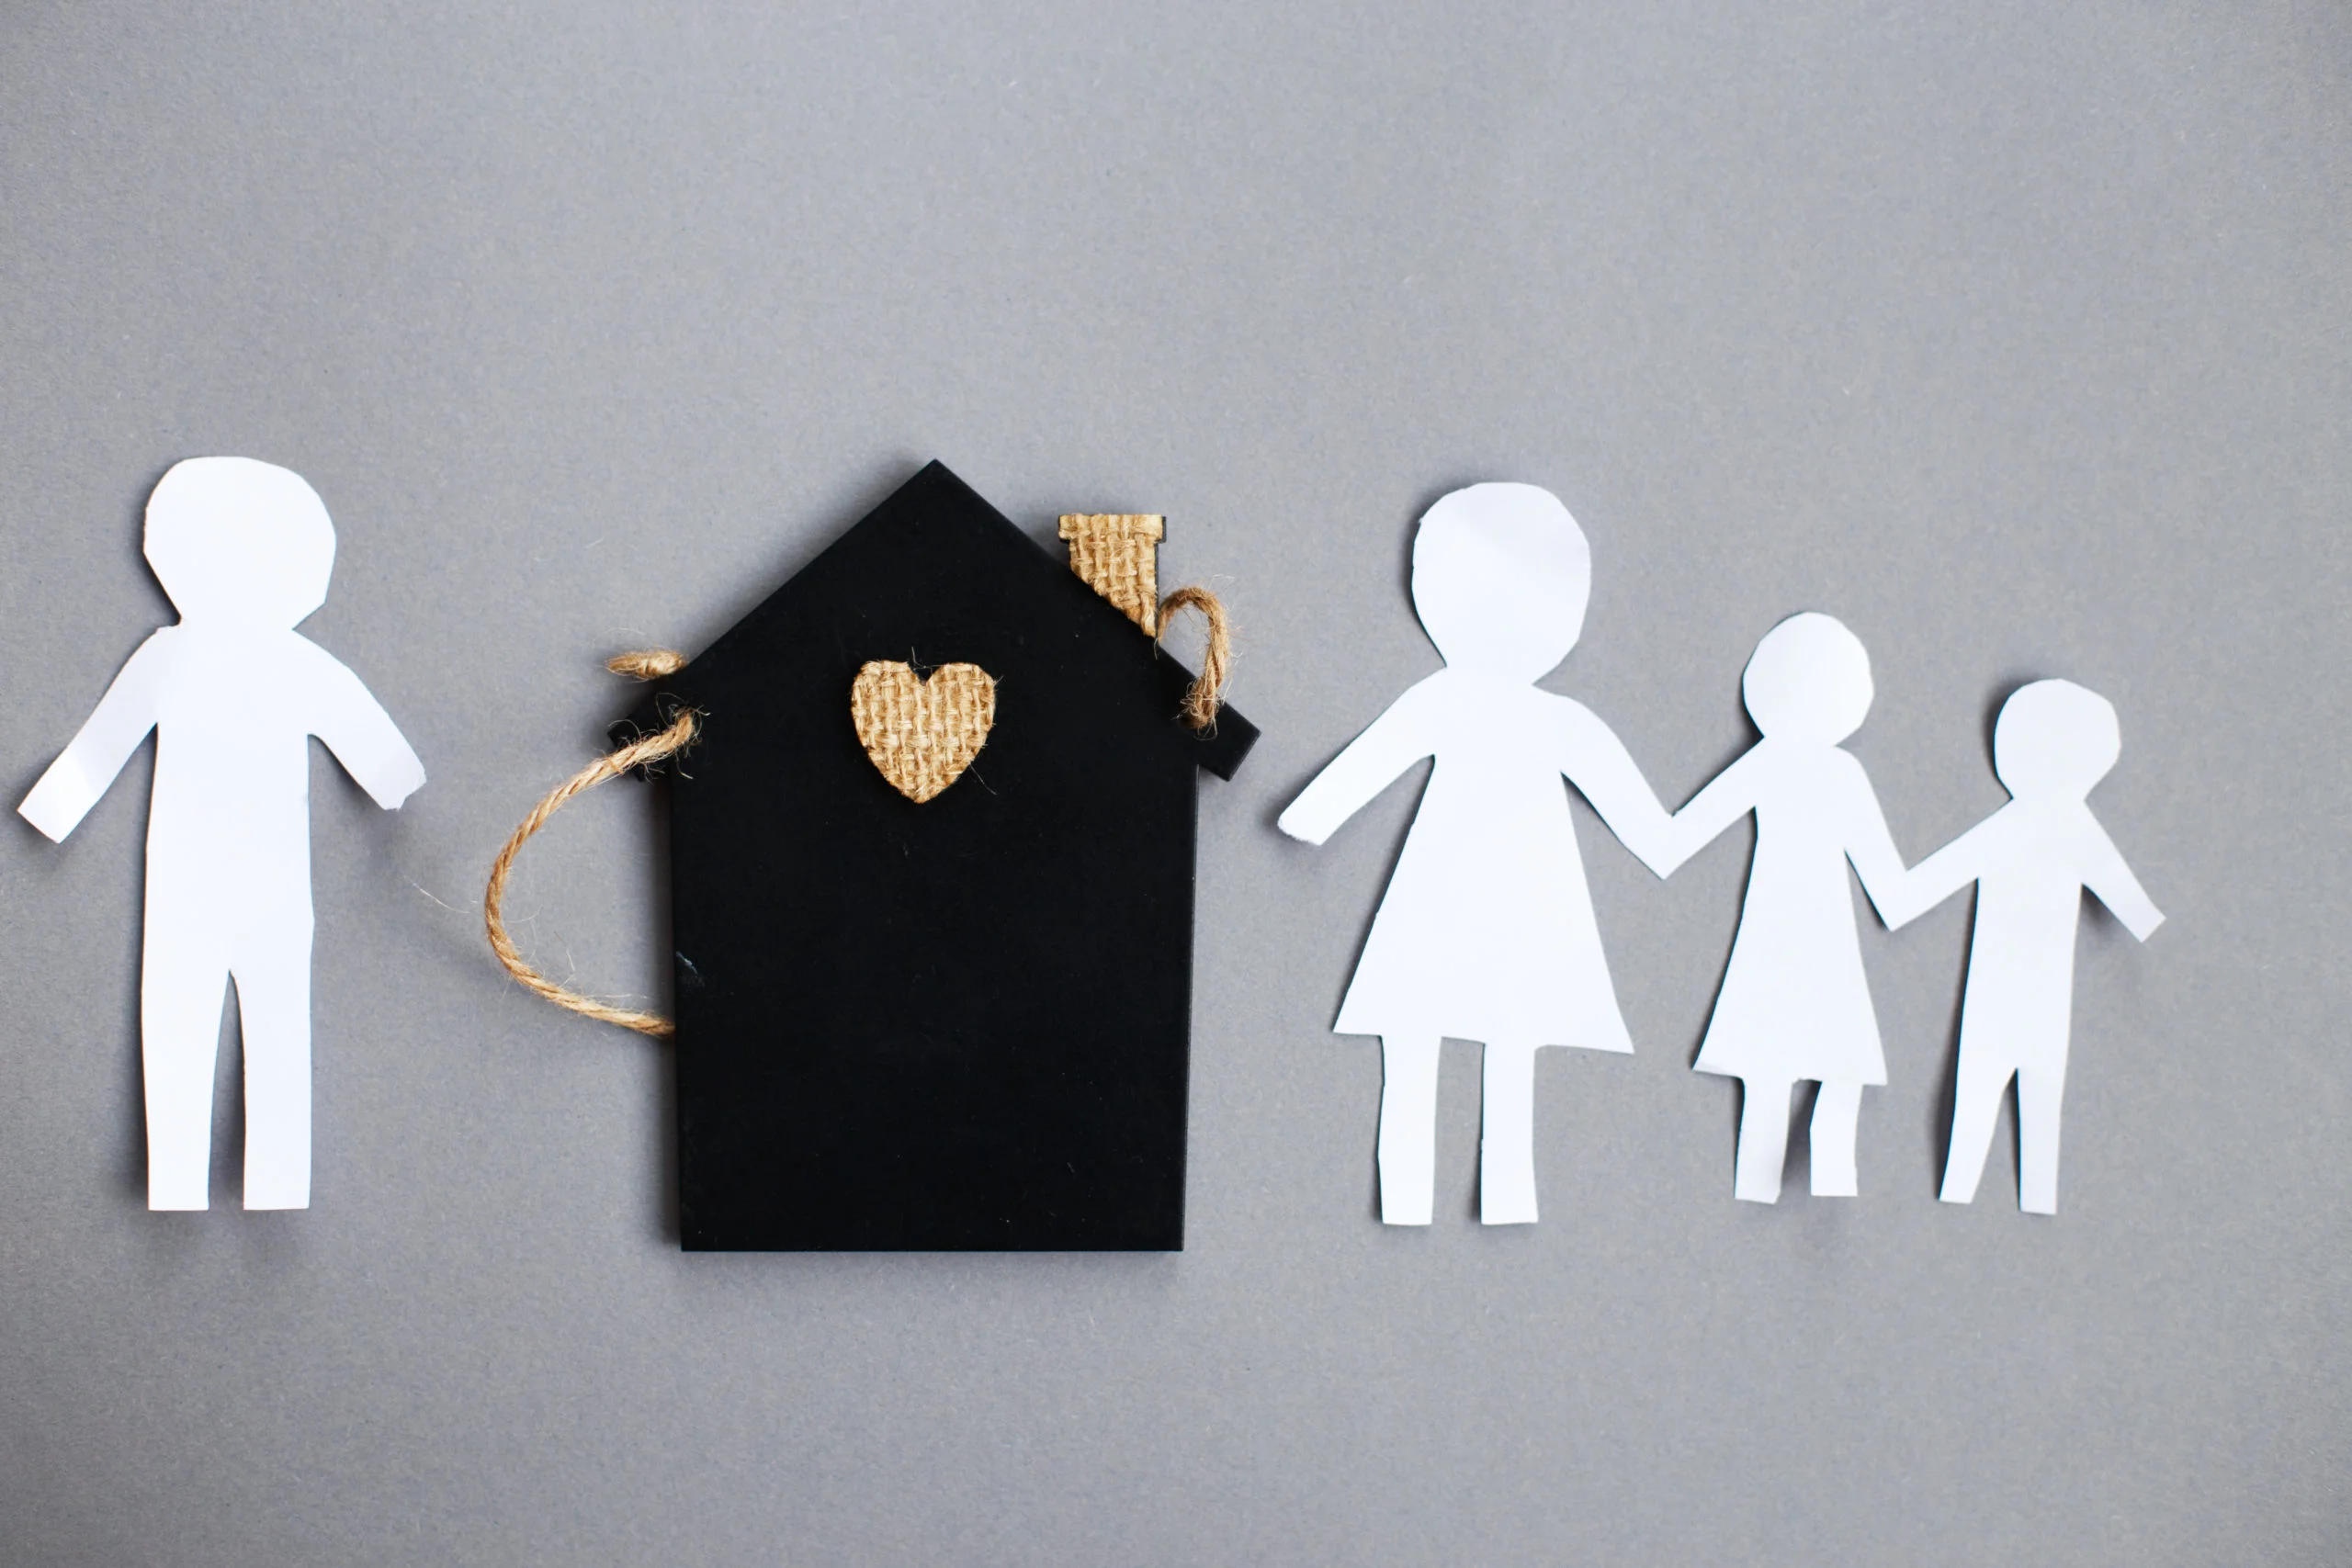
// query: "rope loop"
[[651, 664], [1205, 695]]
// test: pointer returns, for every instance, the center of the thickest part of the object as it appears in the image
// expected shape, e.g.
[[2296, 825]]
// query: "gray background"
[[2014, 335]]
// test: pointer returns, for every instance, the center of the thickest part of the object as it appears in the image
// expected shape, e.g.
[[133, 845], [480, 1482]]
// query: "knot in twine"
[[651, 664], [1205, 695]]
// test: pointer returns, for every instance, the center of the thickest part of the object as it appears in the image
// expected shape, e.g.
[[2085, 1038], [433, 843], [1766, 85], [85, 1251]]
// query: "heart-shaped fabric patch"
[[923, 734]]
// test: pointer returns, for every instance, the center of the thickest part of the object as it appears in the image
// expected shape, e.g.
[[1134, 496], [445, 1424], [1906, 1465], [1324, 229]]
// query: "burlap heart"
[[921, 734]]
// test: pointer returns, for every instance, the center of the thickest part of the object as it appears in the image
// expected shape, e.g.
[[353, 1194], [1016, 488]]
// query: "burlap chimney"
[[1118, 554]]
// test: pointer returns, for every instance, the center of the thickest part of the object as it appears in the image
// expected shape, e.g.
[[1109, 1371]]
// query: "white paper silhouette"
[[1486, 930], [233, 692], [1794, 1004], [2030, 861]]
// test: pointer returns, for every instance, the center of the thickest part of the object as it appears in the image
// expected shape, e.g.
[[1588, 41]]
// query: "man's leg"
[[1407, 1128], [182, 984], [274, 1004], [1507, 1136], [1837, 1112], [1763, 1140], [1975, 1106], [2040, 1090]]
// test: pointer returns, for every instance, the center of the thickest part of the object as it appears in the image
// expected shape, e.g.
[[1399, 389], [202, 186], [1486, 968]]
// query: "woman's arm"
[[1370, 763], [1727, 797], [1872, 848], [1596, 763]]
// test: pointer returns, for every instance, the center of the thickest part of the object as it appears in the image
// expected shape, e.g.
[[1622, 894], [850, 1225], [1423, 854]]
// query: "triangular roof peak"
[[937, 542]]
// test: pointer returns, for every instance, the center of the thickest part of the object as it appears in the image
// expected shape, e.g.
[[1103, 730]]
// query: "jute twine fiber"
[[1118, 554], [922, 733], [1206, 694], [651, 664]]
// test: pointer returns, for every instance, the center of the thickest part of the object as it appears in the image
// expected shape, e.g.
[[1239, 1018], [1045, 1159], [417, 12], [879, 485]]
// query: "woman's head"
[[1808, 680], [236, 541], [2054, 739], [1500, 576]]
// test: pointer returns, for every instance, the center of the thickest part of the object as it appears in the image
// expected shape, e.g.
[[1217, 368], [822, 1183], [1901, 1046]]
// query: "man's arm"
[[346, 715], [91, 760], [2105, 874]]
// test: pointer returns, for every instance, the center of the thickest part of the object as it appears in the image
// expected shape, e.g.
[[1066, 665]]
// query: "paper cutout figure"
[[2030, 861], [1486, 930], [962, 1024], [1794, 1004], [234, 692]]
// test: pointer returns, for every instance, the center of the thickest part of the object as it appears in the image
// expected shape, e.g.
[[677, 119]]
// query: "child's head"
[[2054, 739], [1500, 576], [237, 542], [1808, 680]]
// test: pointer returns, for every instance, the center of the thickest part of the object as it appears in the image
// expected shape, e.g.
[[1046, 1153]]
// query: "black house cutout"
[[959, 1024]]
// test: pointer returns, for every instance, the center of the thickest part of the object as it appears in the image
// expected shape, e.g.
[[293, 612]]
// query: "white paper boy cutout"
[[1794, 1004], [2030, 861], [234, 693], [1486, 930]]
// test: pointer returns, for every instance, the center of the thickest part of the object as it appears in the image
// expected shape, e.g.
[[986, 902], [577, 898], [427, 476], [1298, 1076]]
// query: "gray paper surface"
[[2013, 336]]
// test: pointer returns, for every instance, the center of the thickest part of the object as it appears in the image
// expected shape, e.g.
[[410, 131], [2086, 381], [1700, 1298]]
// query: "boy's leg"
[[1837, 1112], [1507, 1136], [1975, 1106], [1407, 1128], [1763, 1140], [181, 987], [2040, 1090], [274, 1004]]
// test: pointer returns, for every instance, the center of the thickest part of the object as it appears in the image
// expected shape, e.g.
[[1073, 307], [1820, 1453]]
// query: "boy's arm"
[[1938, 878], [1596, 763], [2105, 874], [356, 728], [113, 731], [1725, 799], [1369, 763]]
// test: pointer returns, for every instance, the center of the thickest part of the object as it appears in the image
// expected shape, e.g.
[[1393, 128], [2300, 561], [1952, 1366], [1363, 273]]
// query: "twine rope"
[[1205, 695], [651, 664]]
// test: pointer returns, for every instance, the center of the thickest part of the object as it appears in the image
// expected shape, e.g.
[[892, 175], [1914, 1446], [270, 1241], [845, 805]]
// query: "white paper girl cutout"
[[244, 549], [1486, 930], [1794, 1004], [2030, 861]]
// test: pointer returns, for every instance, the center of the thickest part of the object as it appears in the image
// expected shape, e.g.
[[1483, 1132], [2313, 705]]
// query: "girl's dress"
[[1794, 1003], [1486, 930]]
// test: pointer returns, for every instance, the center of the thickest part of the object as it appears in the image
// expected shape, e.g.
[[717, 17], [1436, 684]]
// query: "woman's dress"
[[1794, 1003], [1487, 930]]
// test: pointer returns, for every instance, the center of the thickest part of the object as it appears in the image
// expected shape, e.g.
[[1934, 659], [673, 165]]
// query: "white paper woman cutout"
[[244, 549], [1794, 1004], [1486, 930], [2030, 861]]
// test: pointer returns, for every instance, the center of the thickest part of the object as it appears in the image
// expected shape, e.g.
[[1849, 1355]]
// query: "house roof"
[[919, 580]]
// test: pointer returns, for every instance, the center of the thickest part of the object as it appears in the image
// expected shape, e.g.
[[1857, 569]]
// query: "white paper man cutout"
[[234, 693], [1794, 1004], [1486, 930], [2030, 861]]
